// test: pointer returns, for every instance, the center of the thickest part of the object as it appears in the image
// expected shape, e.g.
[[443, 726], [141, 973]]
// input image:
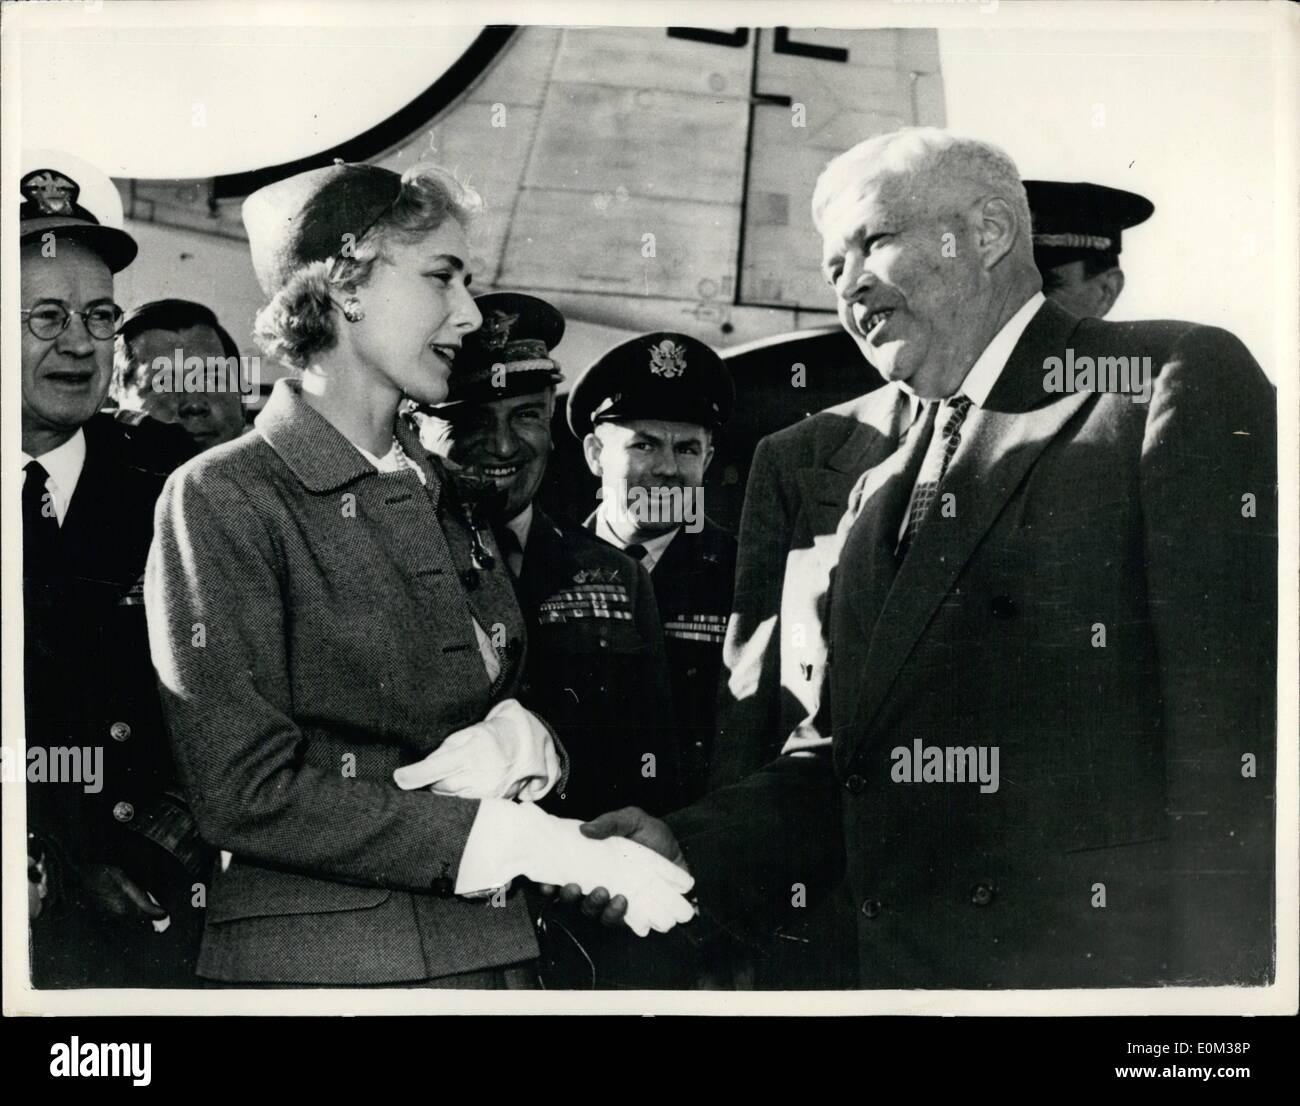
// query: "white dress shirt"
[[654, 547], [64, 464], [977, 386]]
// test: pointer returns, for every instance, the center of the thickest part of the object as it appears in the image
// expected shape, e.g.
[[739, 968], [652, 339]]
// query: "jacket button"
[[981, 894], [123, 812], [119, 731], [870, 908], [1003, 606], [442, 886], [855, 784]]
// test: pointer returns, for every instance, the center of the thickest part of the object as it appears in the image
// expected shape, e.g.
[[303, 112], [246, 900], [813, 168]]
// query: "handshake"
[[626, 864]]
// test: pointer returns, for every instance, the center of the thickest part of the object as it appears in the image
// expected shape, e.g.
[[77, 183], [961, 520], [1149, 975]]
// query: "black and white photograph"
[[730, 508]]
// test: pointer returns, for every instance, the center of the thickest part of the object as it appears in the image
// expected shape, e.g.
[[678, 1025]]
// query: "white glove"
[[510, 754], [509, 839]]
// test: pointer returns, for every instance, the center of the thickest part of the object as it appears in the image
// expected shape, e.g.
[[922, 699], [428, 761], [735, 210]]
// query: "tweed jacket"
[[311, 623], [1100, 606]]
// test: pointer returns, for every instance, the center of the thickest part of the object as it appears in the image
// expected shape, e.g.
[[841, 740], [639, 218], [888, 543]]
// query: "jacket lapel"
[[826, 488], [1005, 439]]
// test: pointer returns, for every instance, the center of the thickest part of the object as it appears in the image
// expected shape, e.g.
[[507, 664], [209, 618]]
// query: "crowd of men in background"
[[627, 611]]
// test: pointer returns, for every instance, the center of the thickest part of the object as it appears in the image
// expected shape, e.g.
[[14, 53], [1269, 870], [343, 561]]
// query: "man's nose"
[[76, 340], [502, 441], [666, 463], [194, 406], [854, 280]]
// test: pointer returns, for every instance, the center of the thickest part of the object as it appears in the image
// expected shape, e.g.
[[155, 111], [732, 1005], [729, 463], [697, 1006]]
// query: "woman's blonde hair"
[[299, 322]]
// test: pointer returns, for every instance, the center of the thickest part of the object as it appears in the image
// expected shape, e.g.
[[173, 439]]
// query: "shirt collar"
[[521, 525], [654, 547], [989, 365], [983, 375], [64, 464]]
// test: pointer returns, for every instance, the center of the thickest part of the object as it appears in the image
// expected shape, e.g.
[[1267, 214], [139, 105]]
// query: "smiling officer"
[[596, 667], [646, 413]]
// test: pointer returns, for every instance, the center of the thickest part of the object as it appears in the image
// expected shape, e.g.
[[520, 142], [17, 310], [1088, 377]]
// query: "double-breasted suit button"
[[855, 784], [871, 908], [1003, 606], [119, 731], [981, 894], [123, 812]]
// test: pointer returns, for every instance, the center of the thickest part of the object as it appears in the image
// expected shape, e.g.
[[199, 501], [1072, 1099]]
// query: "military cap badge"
[[667, 359], [495, 331], [51, 192]]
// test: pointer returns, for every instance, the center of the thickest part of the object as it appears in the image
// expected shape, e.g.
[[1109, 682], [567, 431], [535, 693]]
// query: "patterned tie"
[[933, 470], [636, 551], [40, 524]]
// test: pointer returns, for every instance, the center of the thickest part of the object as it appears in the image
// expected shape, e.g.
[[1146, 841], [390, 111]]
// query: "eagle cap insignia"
[[51, 192], [667, 359], [495, 332]]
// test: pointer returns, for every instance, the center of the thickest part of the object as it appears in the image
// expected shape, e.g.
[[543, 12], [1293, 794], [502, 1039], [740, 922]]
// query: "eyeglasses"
[[49, 320]]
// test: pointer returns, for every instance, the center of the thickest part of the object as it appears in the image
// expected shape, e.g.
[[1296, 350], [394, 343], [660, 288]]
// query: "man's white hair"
[[936, 157]]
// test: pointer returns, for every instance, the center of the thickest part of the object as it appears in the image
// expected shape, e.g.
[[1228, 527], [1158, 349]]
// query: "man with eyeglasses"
[[116, 871]]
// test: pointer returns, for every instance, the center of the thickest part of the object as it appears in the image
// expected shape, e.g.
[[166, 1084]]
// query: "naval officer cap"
[[309, 217], [70, 197], [510, 354], [1076, 220], [663, 375]]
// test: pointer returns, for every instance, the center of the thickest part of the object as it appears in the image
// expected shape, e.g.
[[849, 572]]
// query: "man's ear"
[[591, 451], [995, 230], [1109, 285]]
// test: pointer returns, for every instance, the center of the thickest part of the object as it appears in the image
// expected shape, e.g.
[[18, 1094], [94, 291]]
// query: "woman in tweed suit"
[[328, 624]]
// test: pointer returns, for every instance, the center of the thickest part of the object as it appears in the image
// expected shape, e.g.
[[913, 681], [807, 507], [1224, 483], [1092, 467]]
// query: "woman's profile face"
[[417, 309]]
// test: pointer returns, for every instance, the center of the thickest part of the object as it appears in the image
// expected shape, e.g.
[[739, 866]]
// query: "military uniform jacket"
[[1130, 839], [311, 621], [597, 671], [693, 583], [90, 685]]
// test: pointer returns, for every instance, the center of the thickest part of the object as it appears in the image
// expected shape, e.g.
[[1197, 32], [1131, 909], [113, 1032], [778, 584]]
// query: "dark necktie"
[[636, 551], [511, 550], [40, 524], [933, 470]]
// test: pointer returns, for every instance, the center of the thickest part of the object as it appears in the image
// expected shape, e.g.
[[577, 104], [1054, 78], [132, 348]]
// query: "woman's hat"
[[313, 216]]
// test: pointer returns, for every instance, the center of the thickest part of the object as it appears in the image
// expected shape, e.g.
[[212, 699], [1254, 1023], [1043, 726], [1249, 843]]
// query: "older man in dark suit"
[[116, 865], [1051, 622]]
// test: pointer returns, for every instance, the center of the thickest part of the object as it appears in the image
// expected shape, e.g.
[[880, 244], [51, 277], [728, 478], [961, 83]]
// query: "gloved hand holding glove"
[[510, 754], [511, 839]]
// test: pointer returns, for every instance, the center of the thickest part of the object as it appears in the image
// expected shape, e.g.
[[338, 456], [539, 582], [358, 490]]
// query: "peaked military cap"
[[510, 354], [1078, 219], [663, 375], [63, 194]]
